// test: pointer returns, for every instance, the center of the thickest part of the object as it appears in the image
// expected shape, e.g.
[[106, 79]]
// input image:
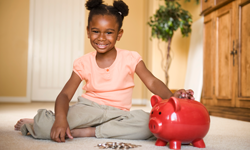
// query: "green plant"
[[165, 22]]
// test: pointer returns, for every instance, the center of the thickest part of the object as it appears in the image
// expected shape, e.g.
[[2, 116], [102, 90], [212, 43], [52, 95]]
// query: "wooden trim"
[[243, 2], [211, 9], [243, 98], [239, 53], [30, 49], [229, 112], [205, 11]]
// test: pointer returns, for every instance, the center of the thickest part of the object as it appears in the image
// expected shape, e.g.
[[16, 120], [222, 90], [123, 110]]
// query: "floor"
[[224, 134]]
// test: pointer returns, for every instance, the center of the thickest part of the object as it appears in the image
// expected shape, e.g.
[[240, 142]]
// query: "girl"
[[103, 111]]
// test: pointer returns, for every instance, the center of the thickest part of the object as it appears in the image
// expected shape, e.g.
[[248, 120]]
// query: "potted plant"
[[164, 23]]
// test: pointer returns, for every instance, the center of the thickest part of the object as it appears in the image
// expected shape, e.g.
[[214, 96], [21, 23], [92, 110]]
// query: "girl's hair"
[[119, 10]]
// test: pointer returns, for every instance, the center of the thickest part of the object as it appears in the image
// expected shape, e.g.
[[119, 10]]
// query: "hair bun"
[[90, 4], [121, 7]]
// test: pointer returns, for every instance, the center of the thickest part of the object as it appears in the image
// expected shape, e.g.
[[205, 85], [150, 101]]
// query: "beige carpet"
[[224, 134]]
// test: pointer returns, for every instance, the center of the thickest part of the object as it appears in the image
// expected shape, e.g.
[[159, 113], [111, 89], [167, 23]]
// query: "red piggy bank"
[[178, 121]]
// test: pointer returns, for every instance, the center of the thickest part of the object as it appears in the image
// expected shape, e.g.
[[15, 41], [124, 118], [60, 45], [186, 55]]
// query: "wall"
[[14, 26], [14, 21]]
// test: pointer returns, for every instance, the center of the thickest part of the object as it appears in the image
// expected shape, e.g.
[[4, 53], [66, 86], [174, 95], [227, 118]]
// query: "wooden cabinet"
[[226, 74]]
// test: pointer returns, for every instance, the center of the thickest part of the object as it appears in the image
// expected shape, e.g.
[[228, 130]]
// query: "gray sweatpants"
[[110, 122]]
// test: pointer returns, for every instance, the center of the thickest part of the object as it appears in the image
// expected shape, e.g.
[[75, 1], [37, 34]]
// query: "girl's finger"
[[68, 133], [190, 91], [62, 136], [55, 136]]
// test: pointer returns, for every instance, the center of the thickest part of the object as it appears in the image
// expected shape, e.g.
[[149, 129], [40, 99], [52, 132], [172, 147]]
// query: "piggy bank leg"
[[160, 142], [199, 143], [175, 145]]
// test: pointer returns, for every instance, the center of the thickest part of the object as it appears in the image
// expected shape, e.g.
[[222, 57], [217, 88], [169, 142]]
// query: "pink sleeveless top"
[[111, 86]]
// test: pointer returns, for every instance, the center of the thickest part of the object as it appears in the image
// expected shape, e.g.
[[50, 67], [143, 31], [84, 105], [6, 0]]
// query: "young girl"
[[103, 111]]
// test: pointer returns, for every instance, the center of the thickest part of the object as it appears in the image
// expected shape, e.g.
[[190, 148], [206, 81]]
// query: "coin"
[[117, 146]]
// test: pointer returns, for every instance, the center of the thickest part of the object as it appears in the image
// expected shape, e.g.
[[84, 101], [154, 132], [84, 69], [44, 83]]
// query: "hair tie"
[[120, 12]]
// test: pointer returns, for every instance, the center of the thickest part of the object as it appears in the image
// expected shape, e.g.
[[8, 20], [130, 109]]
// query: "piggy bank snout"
[[155, 125]]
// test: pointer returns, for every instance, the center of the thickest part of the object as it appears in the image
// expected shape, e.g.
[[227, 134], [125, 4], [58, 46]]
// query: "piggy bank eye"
[[159, 113], [152, 112]]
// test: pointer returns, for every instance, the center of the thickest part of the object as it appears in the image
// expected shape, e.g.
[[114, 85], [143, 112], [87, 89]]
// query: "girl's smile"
[[103, 33]]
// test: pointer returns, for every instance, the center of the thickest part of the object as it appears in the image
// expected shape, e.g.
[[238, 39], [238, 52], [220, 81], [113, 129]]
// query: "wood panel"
[[245, 51], [208, 61], [224, 74], [243, 99]]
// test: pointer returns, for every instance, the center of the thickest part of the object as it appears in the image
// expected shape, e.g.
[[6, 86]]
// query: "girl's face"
[[103, 33]]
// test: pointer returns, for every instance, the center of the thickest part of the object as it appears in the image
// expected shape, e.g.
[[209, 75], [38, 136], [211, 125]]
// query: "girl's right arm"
[[61, 127], [156, 86]]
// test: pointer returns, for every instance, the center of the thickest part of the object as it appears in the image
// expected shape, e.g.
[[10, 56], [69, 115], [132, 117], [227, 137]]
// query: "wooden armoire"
[[226, 53]]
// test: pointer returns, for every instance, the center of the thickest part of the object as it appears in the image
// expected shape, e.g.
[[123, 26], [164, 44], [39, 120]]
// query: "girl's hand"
[[59, 130], [185, 94]]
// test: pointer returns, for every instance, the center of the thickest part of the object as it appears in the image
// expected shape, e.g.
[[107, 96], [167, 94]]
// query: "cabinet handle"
[[233, 52]]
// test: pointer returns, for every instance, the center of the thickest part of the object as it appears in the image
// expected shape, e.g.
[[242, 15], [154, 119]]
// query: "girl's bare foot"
[[22, 122], [84, 132]]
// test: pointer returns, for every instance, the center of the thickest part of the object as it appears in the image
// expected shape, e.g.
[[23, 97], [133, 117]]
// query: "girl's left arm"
[[156, 86]]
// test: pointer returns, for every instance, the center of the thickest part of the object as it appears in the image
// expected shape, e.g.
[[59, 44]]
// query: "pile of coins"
[[117, 146]]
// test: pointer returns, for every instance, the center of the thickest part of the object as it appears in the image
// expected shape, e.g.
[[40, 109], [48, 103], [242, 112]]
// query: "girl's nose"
[[101, 37]]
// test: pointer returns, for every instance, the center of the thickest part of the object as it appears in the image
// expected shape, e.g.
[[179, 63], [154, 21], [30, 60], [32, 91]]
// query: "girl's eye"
[[95, 31], [109, 32]]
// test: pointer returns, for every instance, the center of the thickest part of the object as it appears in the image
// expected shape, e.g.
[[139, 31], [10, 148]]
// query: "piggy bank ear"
[[175, 102], [155, 99]]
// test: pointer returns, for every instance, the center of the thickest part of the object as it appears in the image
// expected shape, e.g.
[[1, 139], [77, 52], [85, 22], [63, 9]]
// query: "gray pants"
[[110, 122]]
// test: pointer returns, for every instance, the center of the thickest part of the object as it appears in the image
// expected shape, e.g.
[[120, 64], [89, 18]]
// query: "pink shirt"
[[111, 86]]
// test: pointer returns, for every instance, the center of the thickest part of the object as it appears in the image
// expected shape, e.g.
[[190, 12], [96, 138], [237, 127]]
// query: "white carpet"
[[224, 134]]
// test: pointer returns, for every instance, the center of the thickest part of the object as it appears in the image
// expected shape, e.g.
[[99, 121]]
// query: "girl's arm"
[[60, 126], [156, 86]]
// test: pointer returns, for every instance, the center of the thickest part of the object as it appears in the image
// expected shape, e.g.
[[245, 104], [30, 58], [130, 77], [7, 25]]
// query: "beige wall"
[[179, 48], [14, 21], [14, 25]]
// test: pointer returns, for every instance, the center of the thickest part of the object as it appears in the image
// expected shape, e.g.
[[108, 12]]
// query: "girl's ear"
[[119, 35], [88, 32]]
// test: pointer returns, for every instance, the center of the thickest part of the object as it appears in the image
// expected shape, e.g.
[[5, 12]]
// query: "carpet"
[[224, 134]]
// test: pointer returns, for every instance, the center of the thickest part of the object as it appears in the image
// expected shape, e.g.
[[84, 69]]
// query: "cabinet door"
[[224, 89], [243, 86], [208, 61]]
